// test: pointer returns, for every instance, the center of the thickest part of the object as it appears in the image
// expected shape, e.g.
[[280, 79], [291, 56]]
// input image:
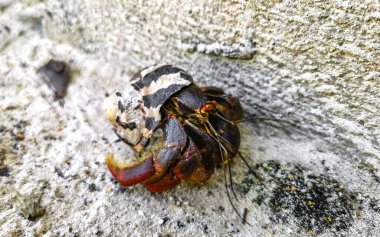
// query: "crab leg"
[[155, 171], [164, 160]]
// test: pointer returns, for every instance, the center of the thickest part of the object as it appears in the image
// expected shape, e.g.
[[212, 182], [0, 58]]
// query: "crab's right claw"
[[130, 174]]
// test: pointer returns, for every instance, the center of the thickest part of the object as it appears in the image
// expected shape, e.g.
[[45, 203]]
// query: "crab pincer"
[[165, 166], [130, 174]]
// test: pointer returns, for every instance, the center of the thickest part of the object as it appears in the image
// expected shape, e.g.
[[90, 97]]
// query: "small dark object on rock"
[[56, 75], [92, 187], [4, 171], [20, 135], [7, 29], [164, 220], [180, 224], [205, 229], [245, 216], [59, 172], [375, 205], [2, 129]]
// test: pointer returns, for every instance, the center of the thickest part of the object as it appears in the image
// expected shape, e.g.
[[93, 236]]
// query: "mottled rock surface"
[[314, 64]]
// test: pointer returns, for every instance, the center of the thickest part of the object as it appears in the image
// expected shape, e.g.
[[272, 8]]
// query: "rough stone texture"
[[315, 64]]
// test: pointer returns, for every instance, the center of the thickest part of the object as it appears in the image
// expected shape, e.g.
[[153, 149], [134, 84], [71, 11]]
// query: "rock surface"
[[315, 65]]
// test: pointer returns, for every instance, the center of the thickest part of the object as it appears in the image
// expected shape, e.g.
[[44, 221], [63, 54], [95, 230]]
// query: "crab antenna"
[[227, 160], [228, 194], [221, 153], [242, 157], [212, 136], [223, 118], [221, 149], [253, 118], [229, 199], [249, 167], [231, 180]]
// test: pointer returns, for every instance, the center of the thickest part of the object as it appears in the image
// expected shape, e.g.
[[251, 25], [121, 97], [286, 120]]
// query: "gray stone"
[[313, 64]]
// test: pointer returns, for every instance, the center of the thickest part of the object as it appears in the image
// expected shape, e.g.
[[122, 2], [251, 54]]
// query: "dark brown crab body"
[[198, 124]]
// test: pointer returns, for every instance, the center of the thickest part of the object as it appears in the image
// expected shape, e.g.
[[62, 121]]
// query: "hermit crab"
[[179, 131]]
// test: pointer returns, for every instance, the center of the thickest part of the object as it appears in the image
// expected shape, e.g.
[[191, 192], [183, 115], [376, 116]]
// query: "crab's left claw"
[[132, 173]]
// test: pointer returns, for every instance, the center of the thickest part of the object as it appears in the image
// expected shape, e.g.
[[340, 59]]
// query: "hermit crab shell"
[[134, 111], [156, 84]]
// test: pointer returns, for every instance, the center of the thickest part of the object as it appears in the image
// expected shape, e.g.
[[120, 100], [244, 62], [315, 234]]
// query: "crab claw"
[[173, 159], [131, 173], [169, 181]]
